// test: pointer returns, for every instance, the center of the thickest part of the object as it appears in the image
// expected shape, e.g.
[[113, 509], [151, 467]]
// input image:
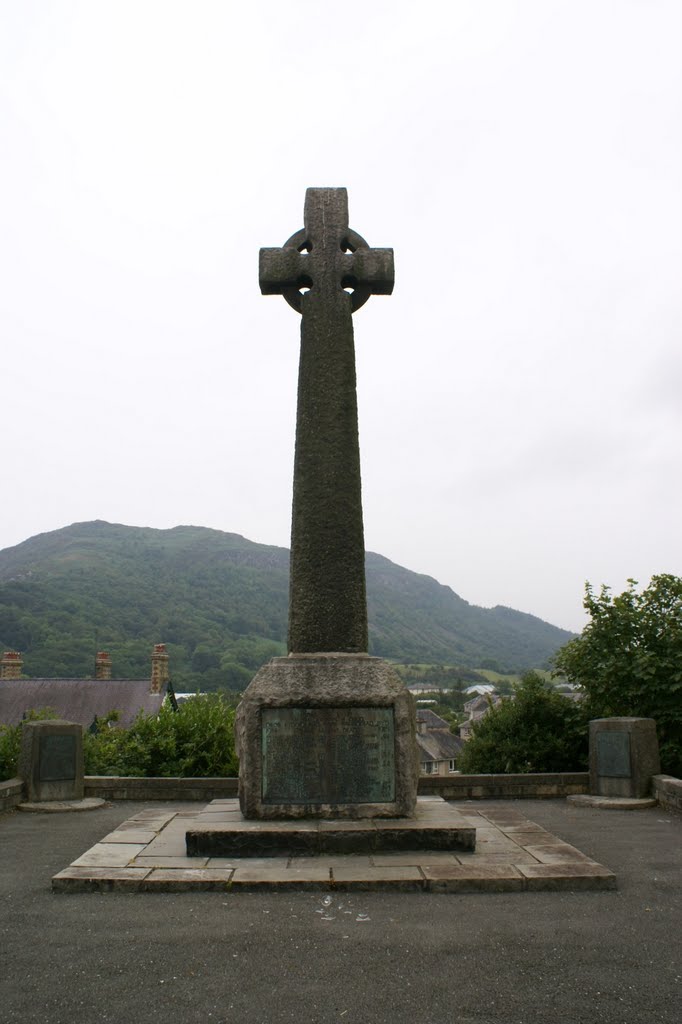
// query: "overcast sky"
[[520, 393]]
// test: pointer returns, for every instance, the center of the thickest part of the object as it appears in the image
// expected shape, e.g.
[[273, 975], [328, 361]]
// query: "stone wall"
[[11, 794], [505, 787], [110, 787], [668, 792], [452, 787]]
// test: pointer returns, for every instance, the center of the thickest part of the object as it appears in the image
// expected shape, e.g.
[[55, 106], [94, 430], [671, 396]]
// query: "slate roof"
[[438, 745], [77, 700], [430, 719]]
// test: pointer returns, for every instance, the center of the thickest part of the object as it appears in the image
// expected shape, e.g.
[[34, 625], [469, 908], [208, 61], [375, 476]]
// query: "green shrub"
[[537, 730], [196, 741], [628, 659], [10, 744]]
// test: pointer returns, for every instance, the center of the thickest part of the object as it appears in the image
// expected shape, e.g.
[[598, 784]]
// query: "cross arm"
[[372, 268], [278, 269]]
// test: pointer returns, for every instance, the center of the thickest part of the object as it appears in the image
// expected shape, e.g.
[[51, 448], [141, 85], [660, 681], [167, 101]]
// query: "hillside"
[[220, 603]]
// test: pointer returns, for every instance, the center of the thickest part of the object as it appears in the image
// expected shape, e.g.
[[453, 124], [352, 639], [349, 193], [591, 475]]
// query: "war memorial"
[[329, 776]]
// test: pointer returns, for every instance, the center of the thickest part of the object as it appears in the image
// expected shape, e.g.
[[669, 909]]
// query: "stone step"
[[221, 831]]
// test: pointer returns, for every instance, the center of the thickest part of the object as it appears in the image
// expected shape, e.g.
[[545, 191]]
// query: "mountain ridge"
[[219, 600]]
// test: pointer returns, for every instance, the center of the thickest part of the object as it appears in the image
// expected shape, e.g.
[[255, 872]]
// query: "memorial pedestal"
[[327, 736]]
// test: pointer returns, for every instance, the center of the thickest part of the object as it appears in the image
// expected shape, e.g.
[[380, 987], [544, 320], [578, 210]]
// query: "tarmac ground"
[[404, 957]]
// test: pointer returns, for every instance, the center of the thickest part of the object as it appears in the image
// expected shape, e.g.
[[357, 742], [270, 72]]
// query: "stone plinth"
[[221, 832], [51, 760], [327, 736], [623, 756]]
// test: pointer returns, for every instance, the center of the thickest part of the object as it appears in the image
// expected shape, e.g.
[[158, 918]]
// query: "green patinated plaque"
[[328, 755], [57, 758], [613, 755]]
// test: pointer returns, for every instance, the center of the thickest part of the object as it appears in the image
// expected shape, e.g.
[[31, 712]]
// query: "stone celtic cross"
[[326, 272]]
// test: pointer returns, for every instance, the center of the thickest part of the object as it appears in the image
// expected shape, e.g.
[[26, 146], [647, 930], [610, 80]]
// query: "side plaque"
[[613, 755], [328, 755], [57, 758]]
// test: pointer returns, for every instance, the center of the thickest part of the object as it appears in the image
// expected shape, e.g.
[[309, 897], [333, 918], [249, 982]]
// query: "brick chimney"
[[11, 665], [102, 665], [159, 669]]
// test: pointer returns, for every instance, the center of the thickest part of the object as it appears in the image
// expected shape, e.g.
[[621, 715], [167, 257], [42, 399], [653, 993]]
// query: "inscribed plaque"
[[328, 755], [613, 754], [57, 758]]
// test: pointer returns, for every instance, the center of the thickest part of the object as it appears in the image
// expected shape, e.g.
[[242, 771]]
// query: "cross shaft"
[[327, 596]]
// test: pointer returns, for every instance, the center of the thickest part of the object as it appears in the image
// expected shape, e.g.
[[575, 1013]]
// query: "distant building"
[[83, 700], [482, 689], [438, 748], [415, 688], [476, 709]]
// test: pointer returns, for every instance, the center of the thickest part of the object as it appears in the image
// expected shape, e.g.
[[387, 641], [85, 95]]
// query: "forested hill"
[[219, 602]]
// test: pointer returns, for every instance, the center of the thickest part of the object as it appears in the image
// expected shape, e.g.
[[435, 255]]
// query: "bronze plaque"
[[328, 755], [613, 755], [57, 758]]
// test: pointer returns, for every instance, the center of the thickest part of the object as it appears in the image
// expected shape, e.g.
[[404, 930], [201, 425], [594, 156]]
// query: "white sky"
[[520, 392]]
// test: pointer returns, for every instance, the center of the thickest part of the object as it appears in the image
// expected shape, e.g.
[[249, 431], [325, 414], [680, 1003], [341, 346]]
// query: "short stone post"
[[623, 757], [51, 760]]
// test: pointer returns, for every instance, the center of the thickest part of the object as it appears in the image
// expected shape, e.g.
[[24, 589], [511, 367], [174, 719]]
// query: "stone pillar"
[[623, 757], [102, 665], [11, 665], [160, 674], [51, 760]]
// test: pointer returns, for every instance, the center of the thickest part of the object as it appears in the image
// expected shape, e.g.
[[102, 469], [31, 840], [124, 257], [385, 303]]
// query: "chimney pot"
[[160, 674], [102, 665], [11, 665]]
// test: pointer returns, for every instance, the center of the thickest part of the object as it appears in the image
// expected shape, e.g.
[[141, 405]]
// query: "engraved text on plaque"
[[57, 758], [613, 755], [328, 755]]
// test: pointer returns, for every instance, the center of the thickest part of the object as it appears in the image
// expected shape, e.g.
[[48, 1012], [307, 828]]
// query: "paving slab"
[[110, 855], [472, 877], [187, 879], [588, 875]]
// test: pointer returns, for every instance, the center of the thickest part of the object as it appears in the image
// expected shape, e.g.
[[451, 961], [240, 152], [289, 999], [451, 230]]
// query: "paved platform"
[[147, 853]]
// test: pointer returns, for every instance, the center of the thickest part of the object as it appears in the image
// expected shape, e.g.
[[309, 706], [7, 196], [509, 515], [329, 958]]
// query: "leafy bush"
[[10, 741], [628, 659], [196, 741], [537, 730], [10, 745]]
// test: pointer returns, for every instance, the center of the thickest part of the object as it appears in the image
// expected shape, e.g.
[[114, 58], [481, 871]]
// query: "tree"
[[628, 659], [536, 730]]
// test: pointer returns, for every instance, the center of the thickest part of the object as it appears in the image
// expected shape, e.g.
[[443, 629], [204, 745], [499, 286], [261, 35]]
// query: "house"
[[438, 748], [82, 700], [476, 709]]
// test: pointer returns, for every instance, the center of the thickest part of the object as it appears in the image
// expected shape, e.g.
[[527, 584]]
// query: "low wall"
[[11, 794], [666, 789], [505, 787], [453, 787], [113, 787], [668, 792]]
